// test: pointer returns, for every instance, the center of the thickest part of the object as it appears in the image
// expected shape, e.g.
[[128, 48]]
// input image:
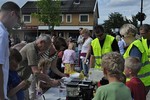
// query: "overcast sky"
[[125, 7]]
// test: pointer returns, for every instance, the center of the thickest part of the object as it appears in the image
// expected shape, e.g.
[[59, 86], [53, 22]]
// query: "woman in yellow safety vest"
[[136, 49]]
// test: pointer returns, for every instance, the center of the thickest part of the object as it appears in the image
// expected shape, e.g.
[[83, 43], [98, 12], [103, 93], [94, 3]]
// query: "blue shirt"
[[13, 81], [135, 52]]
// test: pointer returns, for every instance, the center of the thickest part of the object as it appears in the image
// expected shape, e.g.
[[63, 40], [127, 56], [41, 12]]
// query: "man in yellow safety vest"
[[102, 44]]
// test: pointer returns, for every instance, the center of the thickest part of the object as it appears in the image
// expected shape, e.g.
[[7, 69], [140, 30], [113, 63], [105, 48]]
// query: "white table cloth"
[[55, 94]]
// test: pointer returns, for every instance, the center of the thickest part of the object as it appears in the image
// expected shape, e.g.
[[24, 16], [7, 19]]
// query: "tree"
[[115, 20], [134, 21], [49, 12]]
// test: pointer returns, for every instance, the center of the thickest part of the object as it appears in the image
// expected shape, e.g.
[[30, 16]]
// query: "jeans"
[[85, 67]]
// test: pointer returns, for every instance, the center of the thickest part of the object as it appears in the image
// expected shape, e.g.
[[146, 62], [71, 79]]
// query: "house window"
[[83, 18], [27, 18], [61, 18], [68, 18]]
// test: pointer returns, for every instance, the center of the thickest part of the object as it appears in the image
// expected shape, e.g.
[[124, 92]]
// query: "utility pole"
[[141, 12]]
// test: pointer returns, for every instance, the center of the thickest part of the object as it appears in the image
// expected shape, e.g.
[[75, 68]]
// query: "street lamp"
[[140, 15], [141, 12]]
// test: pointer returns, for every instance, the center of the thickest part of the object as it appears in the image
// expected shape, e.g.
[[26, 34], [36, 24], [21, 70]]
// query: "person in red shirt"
[[132, 67]]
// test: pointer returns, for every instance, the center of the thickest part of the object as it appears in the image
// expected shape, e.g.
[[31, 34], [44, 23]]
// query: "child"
[[69, 58], [113, 67], [132, 67], [15, 85], [44, 66], [38, 85]]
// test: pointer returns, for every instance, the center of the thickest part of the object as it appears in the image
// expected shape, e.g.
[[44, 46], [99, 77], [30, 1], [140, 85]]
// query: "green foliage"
[[49, 12], [116, 20], [134, 21]]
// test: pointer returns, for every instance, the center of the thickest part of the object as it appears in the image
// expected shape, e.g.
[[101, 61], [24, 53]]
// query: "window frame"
[[70, 18], [80, 15], [27, 21]]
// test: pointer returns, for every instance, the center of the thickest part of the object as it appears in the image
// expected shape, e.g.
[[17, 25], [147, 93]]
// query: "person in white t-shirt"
[[9, 16], [80, 39], [85, 48]]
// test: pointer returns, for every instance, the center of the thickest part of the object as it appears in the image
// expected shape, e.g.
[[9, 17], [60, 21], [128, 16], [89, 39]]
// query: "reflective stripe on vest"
[[98, 51], [145, 69], [144, 75], [146, 63], [149, 57], [96, 58]]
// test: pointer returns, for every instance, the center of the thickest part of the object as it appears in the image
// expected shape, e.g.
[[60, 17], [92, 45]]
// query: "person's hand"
[[61, 80], [64, 75], [57, 82], [44, 85], [54, 83], [84, 61], [25, 84]]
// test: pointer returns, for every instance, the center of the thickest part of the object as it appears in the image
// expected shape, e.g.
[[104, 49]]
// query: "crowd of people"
[[27, 68]]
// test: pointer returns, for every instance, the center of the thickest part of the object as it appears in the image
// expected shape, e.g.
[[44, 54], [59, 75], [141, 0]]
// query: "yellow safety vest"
[[144, 73], [98, 51], [144, 42]]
